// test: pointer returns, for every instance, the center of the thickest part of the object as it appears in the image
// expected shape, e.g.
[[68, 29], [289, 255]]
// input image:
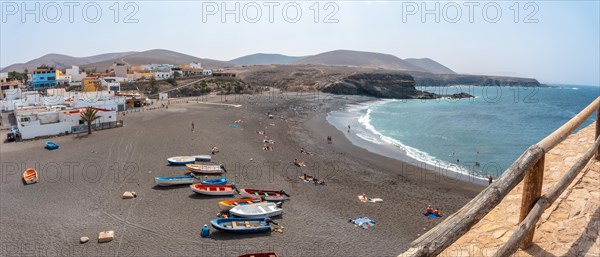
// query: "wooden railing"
[[529, 167]]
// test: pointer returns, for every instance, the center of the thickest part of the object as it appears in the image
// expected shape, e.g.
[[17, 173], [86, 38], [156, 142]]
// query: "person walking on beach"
[[490, 179], [192, 126], [348, 128]]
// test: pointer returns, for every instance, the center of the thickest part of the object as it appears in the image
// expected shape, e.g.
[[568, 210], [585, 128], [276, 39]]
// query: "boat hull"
[[263, 210], [212, 189], [181, 160], [267, 195], [227, 205], [30, 176], [203, 158], [243, 226], [51, 145], [204, 169], [172, 181], [269, 254], [218, 181]]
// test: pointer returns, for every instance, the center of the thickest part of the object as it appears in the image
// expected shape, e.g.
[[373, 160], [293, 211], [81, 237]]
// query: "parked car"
[[11, 137]]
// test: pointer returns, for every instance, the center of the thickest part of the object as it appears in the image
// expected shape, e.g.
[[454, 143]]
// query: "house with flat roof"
[[44, 78], [36, 121]]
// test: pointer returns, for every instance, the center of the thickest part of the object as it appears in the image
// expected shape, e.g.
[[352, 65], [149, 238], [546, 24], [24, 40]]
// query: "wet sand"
[[79, 193]]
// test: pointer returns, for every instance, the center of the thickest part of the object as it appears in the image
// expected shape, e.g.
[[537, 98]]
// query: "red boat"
[[213, 189], [267, 195], [271, 254]]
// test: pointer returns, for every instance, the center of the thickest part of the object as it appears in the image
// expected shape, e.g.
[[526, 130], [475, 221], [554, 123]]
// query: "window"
[[24, 119], [51, 78], [81, 122]]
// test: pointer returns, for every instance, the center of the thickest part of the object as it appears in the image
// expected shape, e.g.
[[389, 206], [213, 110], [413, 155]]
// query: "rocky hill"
[[336, 80]]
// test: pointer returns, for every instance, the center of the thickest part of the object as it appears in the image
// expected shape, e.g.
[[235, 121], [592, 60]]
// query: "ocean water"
[[474, 137]]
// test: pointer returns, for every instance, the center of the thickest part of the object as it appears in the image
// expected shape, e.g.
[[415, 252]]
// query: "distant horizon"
[[553, 42]]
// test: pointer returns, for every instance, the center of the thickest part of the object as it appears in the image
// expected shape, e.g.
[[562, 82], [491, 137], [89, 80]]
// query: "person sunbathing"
[[429, 210], [214, 150], [437, 212]]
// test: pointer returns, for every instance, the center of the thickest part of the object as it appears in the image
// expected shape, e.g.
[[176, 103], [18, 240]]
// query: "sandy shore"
[[81, 185]]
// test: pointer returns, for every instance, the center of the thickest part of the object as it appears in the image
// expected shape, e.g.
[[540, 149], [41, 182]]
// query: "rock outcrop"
[[383, 85]]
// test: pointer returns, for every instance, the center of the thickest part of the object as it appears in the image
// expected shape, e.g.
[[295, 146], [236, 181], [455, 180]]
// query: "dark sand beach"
[[79, 193]]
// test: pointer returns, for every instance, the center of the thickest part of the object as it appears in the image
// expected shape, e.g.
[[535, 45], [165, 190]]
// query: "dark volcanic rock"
[[385, 85]]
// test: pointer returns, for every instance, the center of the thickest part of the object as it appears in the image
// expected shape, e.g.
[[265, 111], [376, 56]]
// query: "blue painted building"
[[43, 78]]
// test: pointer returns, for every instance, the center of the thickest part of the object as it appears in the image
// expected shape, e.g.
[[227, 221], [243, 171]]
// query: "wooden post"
[[597, 132], [532, 190]]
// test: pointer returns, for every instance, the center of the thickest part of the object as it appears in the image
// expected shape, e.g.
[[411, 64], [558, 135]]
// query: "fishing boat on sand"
[[51, 145], [268, 195], [269, 254], [181, 160], [213, 189], [217, 181], [259, 210], [203, 158], [205, 169], [171, 181], [228, 204], [243, 225], [30, 176]]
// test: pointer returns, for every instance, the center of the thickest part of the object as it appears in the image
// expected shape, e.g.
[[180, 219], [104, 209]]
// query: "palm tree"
[[89, 116]]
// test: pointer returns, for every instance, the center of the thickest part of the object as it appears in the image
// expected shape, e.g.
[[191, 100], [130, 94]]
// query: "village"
[[48, 102]]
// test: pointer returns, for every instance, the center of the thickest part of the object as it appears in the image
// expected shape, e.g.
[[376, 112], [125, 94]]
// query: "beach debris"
[[277, 229], [129, 195], [84, 239], [106, 236], [251, 159]]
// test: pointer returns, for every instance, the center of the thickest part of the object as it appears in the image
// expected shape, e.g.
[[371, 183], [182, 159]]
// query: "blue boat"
[[171, 181], [217, 181], [51, 145], [243, 225]]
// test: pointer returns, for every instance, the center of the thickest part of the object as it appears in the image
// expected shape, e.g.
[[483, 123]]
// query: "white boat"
[[203, 158], [259, 210], [171, 181], [181, 160], [206, 169]]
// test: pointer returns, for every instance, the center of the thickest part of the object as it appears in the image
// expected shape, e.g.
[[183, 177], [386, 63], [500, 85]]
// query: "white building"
[[43, 121], [75, 74], [163, 74], [207, 72], [111, 84], [196, 65]]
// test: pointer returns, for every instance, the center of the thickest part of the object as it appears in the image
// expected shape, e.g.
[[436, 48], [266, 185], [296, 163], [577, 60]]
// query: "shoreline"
[[393, 152]]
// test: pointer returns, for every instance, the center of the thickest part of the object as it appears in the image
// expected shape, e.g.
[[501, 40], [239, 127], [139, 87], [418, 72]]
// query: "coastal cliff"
[[365, 81], [383, 85]]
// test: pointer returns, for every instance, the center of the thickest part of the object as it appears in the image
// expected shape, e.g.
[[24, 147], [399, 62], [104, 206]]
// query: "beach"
[[79, 192]]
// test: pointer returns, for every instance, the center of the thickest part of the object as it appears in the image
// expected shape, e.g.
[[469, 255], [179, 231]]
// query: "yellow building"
[[91, 84]]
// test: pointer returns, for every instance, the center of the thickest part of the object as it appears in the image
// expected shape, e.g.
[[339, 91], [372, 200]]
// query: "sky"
[[552, 41]]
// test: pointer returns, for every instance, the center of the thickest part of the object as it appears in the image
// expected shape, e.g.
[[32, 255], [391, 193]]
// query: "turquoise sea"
[[475, 137]]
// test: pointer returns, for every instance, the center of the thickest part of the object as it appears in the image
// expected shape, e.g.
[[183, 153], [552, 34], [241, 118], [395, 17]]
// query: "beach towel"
[[432, 216], [364, 222], [233, 125]]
